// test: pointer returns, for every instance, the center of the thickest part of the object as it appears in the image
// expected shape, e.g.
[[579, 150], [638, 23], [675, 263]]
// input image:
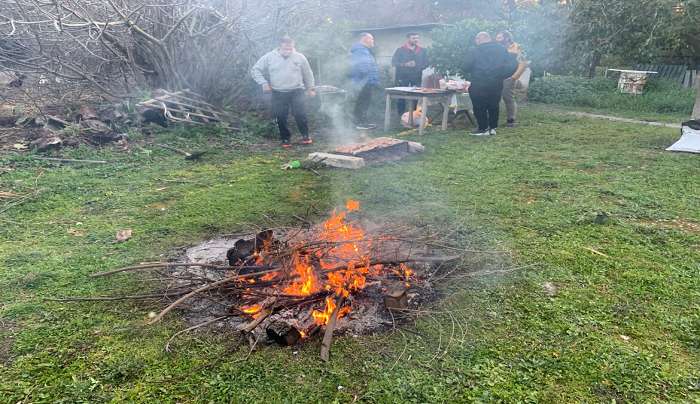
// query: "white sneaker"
[[484, 133], [492, 132]]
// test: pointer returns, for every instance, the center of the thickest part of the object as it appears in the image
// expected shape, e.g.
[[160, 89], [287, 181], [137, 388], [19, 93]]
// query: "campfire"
[[289, 285]]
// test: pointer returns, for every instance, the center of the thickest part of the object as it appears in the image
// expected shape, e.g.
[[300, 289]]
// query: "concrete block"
[[415, 147], [337, 160]]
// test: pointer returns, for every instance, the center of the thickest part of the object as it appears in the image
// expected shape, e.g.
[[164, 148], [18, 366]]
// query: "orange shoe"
[[307, 141], [286, 145]]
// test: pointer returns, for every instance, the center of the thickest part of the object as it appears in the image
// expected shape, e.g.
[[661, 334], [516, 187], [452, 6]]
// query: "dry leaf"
[[76, 232], [7, 195], [19, 146], [123, 235]]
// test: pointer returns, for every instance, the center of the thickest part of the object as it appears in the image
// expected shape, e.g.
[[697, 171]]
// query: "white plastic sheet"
[[689, 141]]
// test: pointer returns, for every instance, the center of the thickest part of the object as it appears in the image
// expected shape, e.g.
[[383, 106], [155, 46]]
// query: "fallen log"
[[282, 333]]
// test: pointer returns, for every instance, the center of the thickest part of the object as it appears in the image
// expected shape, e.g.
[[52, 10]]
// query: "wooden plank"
[[387, 113], [445, 112], [430, 93]]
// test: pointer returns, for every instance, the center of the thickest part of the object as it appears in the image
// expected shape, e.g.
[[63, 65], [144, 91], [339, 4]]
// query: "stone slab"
[[338, 160]]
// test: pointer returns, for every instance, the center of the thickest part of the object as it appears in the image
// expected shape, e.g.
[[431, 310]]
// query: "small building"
[[387, 39]]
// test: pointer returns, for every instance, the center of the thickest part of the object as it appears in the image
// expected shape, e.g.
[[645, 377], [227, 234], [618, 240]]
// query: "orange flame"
[[260, 256], [322, 317], [251, 310], [307, 282], [352, 205], [347, 261]]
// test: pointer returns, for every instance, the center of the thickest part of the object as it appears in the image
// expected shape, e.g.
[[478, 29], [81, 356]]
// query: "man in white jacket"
[[287, 75]]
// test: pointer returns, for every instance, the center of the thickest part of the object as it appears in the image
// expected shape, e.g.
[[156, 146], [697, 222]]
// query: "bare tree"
[[117, 46]]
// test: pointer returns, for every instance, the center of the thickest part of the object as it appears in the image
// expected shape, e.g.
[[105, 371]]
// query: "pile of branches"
[[117, 46], [292, 283]]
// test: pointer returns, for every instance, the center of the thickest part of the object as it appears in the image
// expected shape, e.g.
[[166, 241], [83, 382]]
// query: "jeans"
[[486, 102], [282, 101], [364, 97]]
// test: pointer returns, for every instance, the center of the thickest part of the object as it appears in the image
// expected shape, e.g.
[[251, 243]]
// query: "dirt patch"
[[685, 226], [8, 331]]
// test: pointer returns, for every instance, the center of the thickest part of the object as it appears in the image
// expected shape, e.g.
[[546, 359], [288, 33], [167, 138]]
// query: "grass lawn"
[[623, 324], [675, 118]]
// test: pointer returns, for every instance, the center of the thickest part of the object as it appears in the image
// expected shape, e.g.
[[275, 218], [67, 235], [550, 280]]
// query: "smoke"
[[341, 131]]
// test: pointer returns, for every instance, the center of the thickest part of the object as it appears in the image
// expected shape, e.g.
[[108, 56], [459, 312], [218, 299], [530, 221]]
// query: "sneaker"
[[371, 126], [362, 127], [480, 133], [510, 123], [492, 132], [286, 144], [306, 141]]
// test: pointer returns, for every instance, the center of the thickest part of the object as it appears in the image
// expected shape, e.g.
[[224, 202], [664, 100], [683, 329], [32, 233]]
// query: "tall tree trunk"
[[696, 109]]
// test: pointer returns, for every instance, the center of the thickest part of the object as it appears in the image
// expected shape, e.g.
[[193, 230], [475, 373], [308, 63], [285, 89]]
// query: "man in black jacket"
[[409, 60], [488, 64]]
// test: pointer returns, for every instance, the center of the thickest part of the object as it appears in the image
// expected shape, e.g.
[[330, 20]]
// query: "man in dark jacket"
[[409, 61], [364, 74], [488, 64]]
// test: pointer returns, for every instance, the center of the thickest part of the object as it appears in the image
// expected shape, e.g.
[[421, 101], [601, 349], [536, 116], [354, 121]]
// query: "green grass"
[[660, 96], [534, 191], [673, 118]]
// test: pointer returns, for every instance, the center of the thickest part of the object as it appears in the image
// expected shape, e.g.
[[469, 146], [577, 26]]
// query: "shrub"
[[660, 96], [451, 44]]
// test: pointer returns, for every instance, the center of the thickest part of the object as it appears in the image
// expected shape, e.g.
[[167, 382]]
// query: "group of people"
[[494, 67]]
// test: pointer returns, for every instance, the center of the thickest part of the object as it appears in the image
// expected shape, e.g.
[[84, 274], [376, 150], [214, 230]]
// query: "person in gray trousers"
[[286, 74], [509, 85]]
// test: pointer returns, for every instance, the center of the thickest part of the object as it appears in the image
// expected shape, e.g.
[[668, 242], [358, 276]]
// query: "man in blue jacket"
[[364, 74]]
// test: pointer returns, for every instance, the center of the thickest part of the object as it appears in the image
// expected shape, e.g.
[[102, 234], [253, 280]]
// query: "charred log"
[[283, 333]]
